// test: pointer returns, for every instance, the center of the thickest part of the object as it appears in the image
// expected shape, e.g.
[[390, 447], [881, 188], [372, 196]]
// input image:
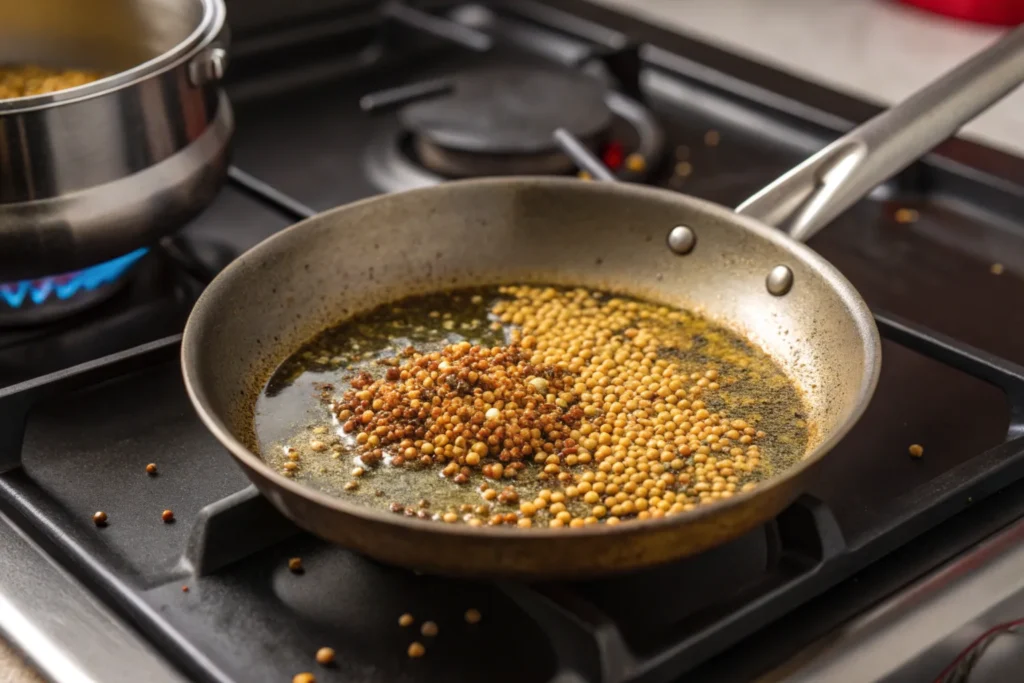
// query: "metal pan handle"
[[805, 199]]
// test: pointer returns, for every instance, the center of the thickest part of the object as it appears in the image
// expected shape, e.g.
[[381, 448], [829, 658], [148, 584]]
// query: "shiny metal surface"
[[681, 240], [70, 231], [560, 230], [62, 630], [806, 198], [779, 280], [57, 149], [914, 634]]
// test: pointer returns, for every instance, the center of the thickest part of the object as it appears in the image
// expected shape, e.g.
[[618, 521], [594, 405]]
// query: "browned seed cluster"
[[463, 407], [589, 391]]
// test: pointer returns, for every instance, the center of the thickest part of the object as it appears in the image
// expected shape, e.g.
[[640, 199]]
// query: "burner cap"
[[507, 113]]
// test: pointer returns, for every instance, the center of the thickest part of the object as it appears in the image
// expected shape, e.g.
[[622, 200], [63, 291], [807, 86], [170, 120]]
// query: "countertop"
[[879, 50]]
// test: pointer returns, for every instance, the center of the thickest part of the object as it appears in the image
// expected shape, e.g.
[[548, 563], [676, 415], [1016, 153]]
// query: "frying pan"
[[657, 244]]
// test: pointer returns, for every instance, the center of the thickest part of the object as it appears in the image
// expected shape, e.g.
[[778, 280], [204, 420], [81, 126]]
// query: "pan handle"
[[806, 198]]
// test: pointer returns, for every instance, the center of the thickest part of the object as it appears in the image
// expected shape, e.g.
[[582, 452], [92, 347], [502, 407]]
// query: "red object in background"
[[613, 155], [1000, 12]]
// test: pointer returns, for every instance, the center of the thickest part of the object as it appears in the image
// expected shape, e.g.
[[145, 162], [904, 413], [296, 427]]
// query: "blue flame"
[[63, 287]]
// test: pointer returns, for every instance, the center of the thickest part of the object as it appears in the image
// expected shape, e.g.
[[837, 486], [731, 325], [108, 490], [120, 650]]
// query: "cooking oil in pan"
[[530, 406]]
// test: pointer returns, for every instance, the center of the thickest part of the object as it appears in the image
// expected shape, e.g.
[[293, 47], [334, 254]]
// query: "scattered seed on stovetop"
[[996, 269], [406, 620], [906, 216], [99, 518], [325, 656], [304, 677], [351, 486], [184, 589], [473, 616], [167, 516], [295, 565], [416, 650], [429, 629], [916, 450], [151, 468], [712, 138]]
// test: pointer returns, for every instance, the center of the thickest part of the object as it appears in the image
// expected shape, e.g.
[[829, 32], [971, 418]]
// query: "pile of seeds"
[[461, 407], [593, 411]]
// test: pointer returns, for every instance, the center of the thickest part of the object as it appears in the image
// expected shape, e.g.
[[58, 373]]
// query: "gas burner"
[[40, 300], [501, 121]]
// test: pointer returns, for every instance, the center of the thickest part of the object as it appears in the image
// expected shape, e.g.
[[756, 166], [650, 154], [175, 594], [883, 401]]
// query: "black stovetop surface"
[[873, 520]]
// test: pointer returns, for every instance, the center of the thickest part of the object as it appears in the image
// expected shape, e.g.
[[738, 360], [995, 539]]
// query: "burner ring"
[[391, 169], [42, 300]]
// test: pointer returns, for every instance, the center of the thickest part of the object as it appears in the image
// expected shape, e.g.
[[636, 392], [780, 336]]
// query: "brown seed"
[[473, 616], [184, 589], [99, 518], [295, 565], [906, 216], [405, 620], [167, 516], [916, 450], [304, 678], [151, 468], [325, 656], [416, 650], [429, 629], [996, 269]]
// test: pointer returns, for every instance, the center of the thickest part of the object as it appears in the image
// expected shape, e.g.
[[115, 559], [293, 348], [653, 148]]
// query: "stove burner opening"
[[500, 121], [30, 302]]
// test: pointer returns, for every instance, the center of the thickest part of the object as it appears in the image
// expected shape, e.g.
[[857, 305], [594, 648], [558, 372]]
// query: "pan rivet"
[[780, 280], [681, 240]]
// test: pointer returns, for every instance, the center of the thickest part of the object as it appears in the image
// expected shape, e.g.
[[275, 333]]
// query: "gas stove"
[[340, 100]]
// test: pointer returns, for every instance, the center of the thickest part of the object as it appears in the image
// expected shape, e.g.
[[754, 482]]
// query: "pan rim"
[[847, 293]]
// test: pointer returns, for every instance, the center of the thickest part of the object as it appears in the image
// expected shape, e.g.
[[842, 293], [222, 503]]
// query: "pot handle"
[[808, 197]]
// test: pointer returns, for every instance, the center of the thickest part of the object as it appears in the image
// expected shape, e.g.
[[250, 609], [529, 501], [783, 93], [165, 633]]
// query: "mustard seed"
[[151, 468], [99, 518], [416, 650], [325, 656], [405, 620]]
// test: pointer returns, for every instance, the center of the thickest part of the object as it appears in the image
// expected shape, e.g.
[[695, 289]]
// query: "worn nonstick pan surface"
[[600, 235]]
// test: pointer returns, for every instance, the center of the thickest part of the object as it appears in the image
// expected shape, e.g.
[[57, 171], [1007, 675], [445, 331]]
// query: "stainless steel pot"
[[96, 172]]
